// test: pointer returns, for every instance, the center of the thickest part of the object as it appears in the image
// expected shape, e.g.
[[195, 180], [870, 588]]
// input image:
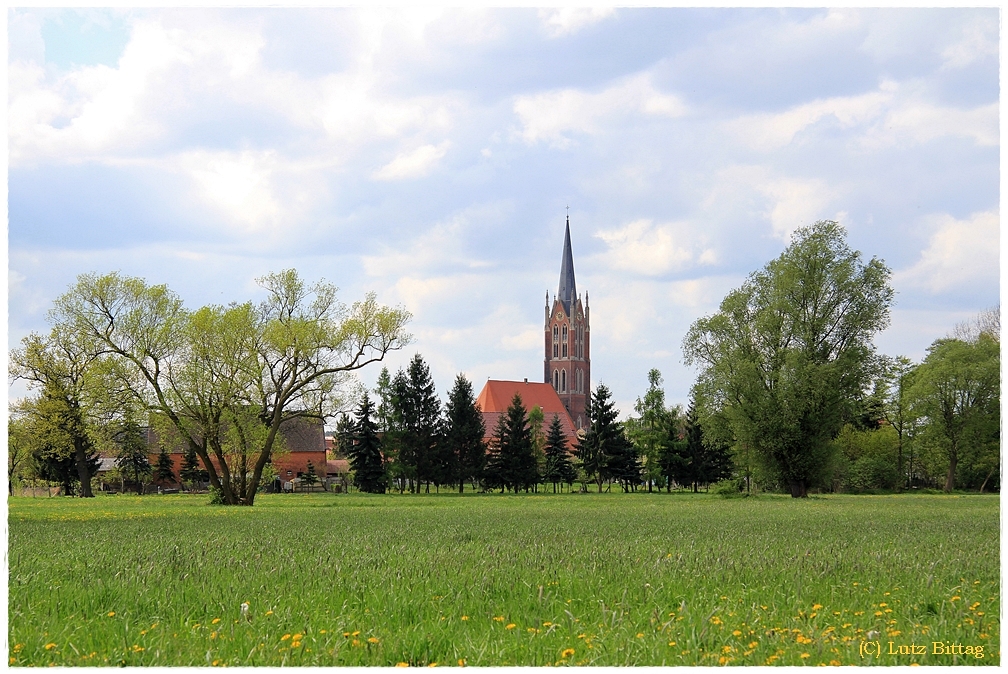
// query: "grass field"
[[609, 579]]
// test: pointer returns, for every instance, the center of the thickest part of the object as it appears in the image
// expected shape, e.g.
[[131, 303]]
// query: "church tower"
[[568, 340]]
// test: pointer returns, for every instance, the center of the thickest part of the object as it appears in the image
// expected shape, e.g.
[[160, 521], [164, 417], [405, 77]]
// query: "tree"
[[536, 420], [132, 460], [558, 465], [164, 469], [19, 446], [228, 377], [515, 453], [957, 389], [648, 430], [420, 413], [190, 472], [790, 352], [310, 477], [64, 367], [892, 389], [464, 431], [365, 452], [588, 449], [605, 452]]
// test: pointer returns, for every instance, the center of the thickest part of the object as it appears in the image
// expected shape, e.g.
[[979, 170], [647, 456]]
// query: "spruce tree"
[[365, 452], [164, 470], [558, 465], [694, 448], [517, 458], [612, 455], [422, 427], [310, 476], [190, 472], [464, 432], [132, 460], [588, 450]]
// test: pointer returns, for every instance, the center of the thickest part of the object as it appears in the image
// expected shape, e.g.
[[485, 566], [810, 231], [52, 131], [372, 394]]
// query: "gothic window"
[[556, 380], [556, 341], [563, 380], [564, 341], [579, 421]]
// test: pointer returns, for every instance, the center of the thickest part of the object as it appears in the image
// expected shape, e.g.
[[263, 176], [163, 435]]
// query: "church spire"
[[567, 292]]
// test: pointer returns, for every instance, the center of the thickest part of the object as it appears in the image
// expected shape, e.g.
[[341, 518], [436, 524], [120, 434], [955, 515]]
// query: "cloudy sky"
[[430, 156]]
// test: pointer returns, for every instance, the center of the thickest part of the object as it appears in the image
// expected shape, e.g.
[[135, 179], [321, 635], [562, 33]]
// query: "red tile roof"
[[496, 396]]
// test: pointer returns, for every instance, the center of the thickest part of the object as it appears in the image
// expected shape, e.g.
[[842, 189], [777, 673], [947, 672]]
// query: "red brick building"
[[496, 396], [567, 336]]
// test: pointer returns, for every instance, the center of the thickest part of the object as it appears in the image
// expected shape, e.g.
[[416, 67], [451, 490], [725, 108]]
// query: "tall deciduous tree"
[[892, 389], [64, 367], [365, 451], [227, 378], [464, 431], [789, 352], [957, 388], [648, 430]]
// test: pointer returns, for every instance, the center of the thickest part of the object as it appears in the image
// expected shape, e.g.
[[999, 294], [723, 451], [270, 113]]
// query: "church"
[[566, 366]]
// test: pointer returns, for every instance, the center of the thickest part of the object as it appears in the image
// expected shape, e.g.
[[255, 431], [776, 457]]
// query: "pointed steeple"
[[567, 292]]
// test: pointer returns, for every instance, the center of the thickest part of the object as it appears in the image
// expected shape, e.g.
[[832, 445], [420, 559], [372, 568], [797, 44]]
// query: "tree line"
[[219, 380], [790, 379]]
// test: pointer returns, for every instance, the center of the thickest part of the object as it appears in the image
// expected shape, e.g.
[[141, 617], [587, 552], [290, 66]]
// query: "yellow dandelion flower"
[[671, 643], [753, 644], [137, 648], [433, 664], [726, 649], [355, 642], [372, 640], [270, 612], [835, 663], [722, 660], [499, 618], [402, 664], [955, 597], [461, 662], [465, 617], [295, 644], [346, 634], [285, 637], [581, 636], [737, 633], [321, 631], [509, 626], [547, 623], [567, 652], [215, 621], [816, 607], [111, 614], [640, 635], [12, 659], [803, 656], [18, 647], [353, 634], [50, 646]]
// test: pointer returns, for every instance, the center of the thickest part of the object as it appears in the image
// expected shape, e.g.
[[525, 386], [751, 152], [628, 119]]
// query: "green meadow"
[[596, 579]]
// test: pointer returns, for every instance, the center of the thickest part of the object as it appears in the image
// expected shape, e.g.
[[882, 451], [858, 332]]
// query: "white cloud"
[[551, 116], [415, 164], [978, 40], [641, 247], [961, 254], [568, 20], [894, 113]]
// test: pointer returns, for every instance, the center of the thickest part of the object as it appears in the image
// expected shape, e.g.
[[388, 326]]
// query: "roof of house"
[[496, 397], [337, 466]]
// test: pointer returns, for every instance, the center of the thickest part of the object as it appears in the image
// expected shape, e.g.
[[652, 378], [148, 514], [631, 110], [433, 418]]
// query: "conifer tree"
[[464, 432], [164, 470], [365, 452], [694, 447], [610, 455], [310, 476], [517, 460], [558, 465], [588, 450], [419, 411], [190, 472], [132, 460]]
